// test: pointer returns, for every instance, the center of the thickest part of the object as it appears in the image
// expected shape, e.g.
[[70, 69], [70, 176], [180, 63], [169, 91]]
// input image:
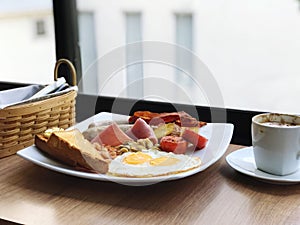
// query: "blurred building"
[[250, 47]]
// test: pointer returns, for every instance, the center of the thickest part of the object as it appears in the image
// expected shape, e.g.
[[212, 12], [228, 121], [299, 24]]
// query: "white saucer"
[[242, 160]]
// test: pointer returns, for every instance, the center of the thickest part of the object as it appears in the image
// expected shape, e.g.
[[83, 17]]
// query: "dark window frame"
[[67, 36]]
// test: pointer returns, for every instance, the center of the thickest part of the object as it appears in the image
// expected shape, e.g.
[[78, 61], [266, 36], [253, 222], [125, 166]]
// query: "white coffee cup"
[[276, 142]]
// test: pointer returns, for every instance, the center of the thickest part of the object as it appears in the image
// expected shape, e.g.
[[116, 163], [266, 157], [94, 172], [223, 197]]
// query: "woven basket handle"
[[71, 67]]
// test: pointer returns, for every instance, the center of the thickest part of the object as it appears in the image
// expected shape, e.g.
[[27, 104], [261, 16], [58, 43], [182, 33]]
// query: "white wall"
[[253, 50], [24, 56], [251, 47]]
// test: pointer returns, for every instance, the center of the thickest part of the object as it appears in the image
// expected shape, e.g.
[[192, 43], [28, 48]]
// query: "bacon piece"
[[165, 118], [141, 130], [180, 118], [145, 115], [112, 135]]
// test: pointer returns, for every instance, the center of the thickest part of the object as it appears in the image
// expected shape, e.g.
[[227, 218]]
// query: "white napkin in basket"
[[16, 95], [33, 93]]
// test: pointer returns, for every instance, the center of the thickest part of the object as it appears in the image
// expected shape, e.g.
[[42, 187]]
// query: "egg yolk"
[[137, 158], [164, 161]]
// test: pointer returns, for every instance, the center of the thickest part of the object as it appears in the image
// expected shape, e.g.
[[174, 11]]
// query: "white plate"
[[243, 161], [219, 135]]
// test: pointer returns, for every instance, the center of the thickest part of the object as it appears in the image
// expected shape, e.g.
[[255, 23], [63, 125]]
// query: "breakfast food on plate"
[[131, 146], [173, 144], [154, 144], [165, 129], [141, 130], [95, 128], [151, 163], [112, 135], [196, 139], [164, 124], [48, 132], [73, 149], [104, 123], [182, 118]]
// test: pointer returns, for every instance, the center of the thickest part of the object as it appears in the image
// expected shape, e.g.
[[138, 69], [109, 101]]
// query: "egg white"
[[118, 166]]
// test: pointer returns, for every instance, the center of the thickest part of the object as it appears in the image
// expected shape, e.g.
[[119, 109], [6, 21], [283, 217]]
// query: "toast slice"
[[71, 148]]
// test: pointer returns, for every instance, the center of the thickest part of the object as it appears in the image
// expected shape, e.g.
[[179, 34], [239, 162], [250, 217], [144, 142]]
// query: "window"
[[184, 38], [40, 28], [251, 50], [89, 53], [248, 50], [27, 41], [134, 56]]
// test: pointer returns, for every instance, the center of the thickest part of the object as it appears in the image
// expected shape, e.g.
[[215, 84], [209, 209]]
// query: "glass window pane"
[[245, 51], [184, 38], [27, 47], [134, 57], [89, 53]]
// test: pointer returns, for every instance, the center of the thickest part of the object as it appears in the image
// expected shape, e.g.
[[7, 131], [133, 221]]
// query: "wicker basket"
[[19, 124]]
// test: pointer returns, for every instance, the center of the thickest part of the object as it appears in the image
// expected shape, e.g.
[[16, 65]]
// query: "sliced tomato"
[[194, 138], [173, 144]]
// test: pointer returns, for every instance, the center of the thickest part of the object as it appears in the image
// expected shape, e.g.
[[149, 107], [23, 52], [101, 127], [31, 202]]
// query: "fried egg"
[[151, 163]]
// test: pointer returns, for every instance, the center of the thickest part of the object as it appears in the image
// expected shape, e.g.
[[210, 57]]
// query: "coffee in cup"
[[276, 142]]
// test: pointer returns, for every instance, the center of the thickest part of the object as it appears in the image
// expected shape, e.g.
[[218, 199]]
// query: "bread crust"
[[75, 151]]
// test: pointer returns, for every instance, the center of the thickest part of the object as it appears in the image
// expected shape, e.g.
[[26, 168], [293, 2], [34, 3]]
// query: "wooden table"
[[219, 195]]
